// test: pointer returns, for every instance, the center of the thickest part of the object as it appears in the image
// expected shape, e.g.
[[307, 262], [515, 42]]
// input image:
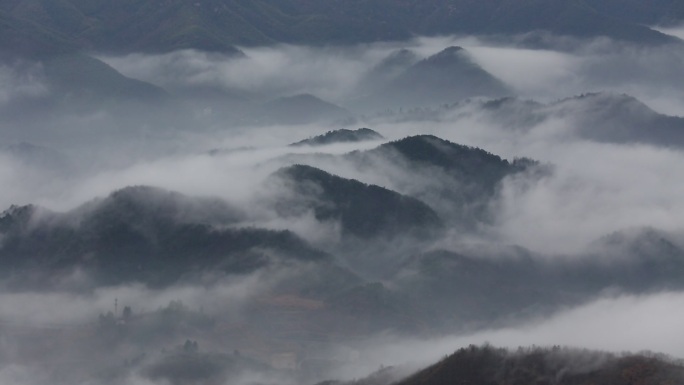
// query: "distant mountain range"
[[445, 77], [58, 34], [297, 109], [515, 283], [42, 26], [602, 117], [74, 82]]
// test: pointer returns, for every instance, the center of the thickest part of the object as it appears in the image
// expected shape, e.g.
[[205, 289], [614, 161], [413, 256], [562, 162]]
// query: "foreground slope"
[[487, 365]]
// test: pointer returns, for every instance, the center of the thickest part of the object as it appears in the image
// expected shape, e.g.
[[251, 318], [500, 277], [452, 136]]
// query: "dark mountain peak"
[[448, 56], [140, 197], [402, 53], [606, 101], [138, 206], [300, 172], [340, 136], [143, 206], [449, 51], [143, 194], [146, 234], [510, 102], [463, 179], [18, 220], [399, 58], [364, 211], [17, 217], [439, 152]]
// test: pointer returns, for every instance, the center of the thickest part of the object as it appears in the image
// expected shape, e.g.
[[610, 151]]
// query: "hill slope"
[[456, 180], [486, 365], [445, 77], [340, 136], [143, 234], [364, 211], [602, 117]]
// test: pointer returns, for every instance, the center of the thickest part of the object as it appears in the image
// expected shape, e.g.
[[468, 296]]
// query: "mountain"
[[445, 77], [603, 117], [136, 26], [84, 78], [363, 211], [561, 366], [25, 38], [219, 25], [429, 150], [298, 109], [141, 234], [386, 70], [614, 118], [69, 82], [456, 180], [486, 285], [577, 18], [340, 136], [650, 259]]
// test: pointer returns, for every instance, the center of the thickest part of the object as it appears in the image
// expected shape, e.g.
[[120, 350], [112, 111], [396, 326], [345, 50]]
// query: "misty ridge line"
[[296, 213]]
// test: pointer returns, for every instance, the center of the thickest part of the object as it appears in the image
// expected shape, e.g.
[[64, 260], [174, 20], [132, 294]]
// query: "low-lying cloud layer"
[[582, 190], [618, 323]]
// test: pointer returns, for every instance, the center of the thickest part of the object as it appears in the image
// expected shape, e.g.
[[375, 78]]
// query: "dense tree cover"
[[340, 136], [539, 366], [462, 180], [364, 211], [143, 234], [218, 25]]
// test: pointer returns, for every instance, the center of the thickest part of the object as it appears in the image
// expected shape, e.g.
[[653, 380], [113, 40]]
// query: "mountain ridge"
[[220, 25]]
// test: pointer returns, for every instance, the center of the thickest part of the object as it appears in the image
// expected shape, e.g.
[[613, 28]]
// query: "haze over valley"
[[292, 192]]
